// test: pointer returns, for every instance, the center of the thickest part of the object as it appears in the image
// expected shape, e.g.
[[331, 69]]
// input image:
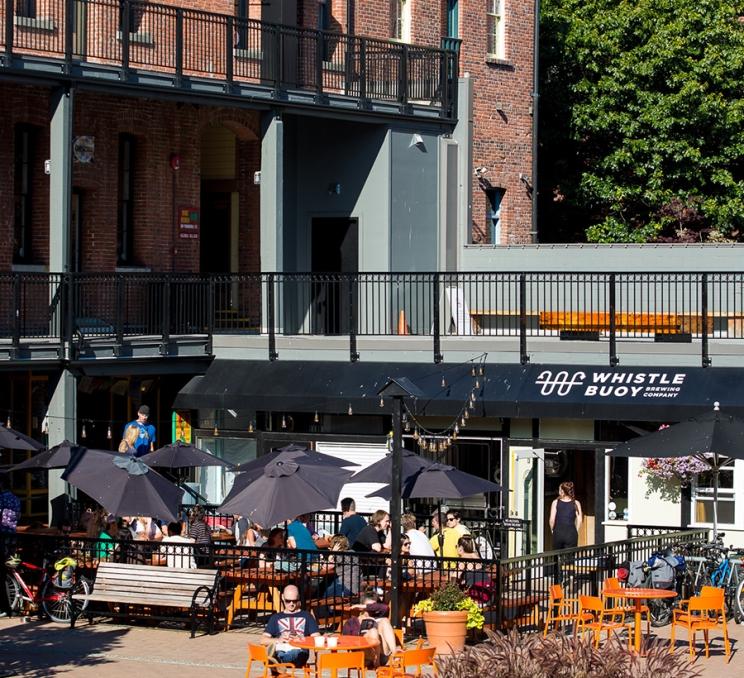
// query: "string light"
[[216, 431], [284, 422], [7, 423], [316, 418], [444, 382], [108, 433], [250, 427], [477, 384], [382, 402], [350, 411], [415, 434], [83, 433], [407, 426]]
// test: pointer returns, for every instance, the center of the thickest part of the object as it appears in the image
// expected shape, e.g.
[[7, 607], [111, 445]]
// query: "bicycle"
[[51, 594]]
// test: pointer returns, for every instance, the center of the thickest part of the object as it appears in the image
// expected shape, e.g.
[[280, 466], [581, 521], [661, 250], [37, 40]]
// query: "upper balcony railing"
[[178, 47], [75, 309]]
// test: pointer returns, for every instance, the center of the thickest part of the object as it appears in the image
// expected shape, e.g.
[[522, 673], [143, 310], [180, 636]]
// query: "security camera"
[[480, 171]]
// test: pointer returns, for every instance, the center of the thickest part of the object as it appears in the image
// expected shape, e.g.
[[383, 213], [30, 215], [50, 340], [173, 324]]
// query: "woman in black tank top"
[[565, 517]]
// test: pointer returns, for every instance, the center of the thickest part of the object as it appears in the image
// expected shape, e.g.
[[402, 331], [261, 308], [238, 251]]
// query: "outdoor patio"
[[38, 649]]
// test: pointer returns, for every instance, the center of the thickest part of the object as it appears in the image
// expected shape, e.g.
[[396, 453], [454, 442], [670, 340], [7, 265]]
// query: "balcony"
[[610, 315], [140, 45]]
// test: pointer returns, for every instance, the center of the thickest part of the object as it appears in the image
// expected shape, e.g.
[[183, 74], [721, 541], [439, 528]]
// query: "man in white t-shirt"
[[420, 545], [172, 555]]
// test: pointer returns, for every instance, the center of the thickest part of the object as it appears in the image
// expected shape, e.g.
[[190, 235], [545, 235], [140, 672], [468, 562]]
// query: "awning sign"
[[589, 384]]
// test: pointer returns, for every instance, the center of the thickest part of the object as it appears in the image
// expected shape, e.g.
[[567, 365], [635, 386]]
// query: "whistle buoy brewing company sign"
[[608, 384]]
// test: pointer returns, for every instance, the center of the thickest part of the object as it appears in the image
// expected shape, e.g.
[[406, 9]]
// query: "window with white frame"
[[495, 28], [729, 479], [400, 15]]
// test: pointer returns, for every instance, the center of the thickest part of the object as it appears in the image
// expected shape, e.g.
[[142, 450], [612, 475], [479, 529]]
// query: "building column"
[[600, 500], [272, 195], [463, 135], [62, 424], [60, 179]]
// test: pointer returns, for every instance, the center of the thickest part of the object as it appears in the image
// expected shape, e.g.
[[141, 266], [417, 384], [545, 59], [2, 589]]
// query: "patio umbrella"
[[284, 490], [440, 480], [382, 471], [55, 457], [292, 451], [182, 455], [10, 439], [715, 438], [123, 485]]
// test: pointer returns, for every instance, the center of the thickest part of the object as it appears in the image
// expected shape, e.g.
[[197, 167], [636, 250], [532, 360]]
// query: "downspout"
[[535, 106]]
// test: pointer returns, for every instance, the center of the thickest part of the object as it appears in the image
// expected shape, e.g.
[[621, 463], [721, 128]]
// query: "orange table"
[[638, 595], [344, 643]]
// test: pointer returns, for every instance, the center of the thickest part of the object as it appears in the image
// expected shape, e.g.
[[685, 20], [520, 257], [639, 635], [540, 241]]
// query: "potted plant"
[[448, 613]]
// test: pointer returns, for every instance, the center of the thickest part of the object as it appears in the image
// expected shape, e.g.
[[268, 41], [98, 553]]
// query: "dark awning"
[[572, 391]]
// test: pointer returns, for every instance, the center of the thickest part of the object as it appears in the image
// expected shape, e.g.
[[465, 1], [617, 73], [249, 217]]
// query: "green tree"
[[642, 120]]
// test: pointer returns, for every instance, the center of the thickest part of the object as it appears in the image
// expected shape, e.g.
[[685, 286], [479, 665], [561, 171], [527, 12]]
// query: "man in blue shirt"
[[352, 524], [146, 440]]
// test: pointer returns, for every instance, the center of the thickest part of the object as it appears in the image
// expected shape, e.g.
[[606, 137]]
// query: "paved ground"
[[40, 649]]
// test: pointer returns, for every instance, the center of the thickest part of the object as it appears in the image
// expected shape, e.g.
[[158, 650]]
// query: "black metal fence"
[[511, 592], [189, 43], [604, 307]]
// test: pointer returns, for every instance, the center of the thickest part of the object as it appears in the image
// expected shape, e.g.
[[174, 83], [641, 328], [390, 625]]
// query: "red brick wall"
[[160, 130]]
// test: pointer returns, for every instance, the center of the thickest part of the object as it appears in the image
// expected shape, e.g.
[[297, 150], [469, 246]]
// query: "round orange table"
[[344, 643], [638, 595]]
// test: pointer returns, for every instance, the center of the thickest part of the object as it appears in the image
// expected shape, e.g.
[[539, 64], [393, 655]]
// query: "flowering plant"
[[683, 469], [451, 598]]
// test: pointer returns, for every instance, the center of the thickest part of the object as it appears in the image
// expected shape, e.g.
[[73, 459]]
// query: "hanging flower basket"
[[679, 469]]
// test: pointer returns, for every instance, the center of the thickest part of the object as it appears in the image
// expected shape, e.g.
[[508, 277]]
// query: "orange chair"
[[408, 659], [704, 613], [561, 609], [593, 607], [613, 584], [258, 653], [335, 661]]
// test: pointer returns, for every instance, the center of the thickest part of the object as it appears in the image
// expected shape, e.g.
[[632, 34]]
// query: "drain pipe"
[[535, 107]]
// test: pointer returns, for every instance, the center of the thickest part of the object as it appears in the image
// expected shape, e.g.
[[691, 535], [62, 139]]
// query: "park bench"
[[155, 586], [599, 321]]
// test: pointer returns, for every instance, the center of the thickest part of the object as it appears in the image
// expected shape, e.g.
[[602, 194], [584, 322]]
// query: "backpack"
[[662, 571], [65, 570], [636, 573]]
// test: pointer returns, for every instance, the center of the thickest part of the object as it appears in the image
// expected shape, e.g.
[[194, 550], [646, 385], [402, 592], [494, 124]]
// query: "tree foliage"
[[642, 120]]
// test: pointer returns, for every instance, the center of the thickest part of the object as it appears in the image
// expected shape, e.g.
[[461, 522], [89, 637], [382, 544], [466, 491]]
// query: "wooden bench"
[[599, 321], [155, 586]]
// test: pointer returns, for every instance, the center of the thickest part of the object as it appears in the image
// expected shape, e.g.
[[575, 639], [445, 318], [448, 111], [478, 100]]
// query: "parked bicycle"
[[51, 592]]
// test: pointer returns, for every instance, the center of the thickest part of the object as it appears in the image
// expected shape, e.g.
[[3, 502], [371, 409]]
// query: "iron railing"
[[609, 308], [184, 43], [511, 592]]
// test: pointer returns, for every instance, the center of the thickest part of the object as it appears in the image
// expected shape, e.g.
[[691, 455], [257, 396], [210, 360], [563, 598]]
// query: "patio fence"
[[512, 592]]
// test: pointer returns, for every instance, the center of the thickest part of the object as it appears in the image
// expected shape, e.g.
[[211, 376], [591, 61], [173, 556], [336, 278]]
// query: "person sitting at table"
[[372, 622], [373, 538], [200, 532], [298, 536], [290, 624], [469, 557], [353, 523], [146, 529], [268, 558], [444, 541], [172, 555], [247, 533], [103, 526], [420, 545], [347, 574]]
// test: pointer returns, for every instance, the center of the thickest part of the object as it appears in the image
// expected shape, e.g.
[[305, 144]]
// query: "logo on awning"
[[610, 384]]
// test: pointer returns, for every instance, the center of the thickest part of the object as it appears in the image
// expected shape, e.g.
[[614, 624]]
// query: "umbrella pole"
[[716, 472], [395, 508]]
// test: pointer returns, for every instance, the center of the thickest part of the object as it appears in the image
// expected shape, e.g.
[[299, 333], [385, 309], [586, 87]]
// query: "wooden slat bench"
[[599, 321], [155, 586]]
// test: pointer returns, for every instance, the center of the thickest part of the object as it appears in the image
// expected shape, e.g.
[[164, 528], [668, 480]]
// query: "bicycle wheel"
[[660, 611], [13, 592], [58, 603], [739, 603]]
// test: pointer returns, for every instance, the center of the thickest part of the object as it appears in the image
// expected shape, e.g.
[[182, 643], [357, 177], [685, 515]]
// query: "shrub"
[[451, 598], [558, 656]]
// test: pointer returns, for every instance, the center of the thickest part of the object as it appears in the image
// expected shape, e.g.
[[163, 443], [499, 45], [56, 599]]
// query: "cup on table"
[[332, 641], [319, 641]]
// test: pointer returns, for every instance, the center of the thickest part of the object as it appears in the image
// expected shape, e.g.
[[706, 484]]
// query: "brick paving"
[[39, 649]]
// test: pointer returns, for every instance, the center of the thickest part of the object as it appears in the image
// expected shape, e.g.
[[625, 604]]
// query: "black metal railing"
[[603, 307], [189, 43], [511, 592]]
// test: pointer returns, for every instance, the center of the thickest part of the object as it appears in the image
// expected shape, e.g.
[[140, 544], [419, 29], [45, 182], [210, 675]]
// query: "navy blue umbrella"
[[440, 480], [55, 457], [10, 439], [382, 471], [123, 485], [182, 455]]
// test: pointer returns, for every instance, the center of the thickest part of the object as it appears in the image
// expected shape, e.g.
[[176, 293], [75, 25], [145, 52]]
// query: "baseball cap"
[[144, 409]]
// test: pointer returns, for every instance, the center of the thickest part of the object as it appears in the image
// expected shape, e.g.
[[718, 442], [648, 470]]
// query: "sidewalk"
[[40, 649]]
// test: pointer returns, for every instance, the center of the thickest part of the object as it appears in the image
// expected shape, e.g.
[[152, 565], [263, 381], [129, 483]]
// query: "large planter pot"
[[446, 631]]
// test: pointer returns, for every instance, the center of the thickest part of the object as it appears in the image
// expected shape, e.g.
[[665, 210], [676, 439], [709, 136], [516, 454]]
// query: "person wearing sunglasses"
[[291, 623], [444, 541]]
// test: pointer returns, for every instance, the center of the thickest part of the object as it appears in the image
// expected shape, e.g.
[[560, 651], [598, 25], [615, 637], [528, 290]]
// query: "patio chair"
[[613, 584], [599, 620], [336, 661], [259, 653], [406, 659], [704, 613], [561, 609]]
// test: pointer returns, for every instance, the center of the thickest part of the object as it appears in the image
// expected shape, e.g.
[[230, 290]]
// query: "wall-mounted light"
[[175, 161]]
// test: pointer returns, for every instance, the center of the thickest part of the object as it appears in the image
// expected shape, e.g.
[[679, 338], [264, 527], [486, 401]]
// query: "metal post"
[[229, 44], [362, 71], [614, 360], [273, 355], [9, 15], [166, 317], [126, 7], [319, 43], [120, 311], [210, 314], [704, 319], [353, 283], [523, 357], [395, 508], [179, 45], [437, 336], [16, 312], [70, 281], [403, 77], [69, 32], [278, 62]]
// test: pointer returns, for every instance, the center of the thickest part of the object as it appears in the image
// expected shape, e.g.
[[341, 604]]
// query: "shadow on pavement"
[[40, 648]]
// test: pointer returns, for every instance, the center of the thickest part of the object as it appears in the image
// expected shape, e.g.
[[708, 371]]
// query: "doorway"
[[215, 232], [334, 252]]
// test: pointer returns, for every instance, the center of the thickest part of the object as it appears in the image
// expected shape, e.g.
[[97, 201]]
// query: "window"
[[125, 234], [400, 15], [495, 28], [494, 198], [25, 142], [617, 488], [26, 8], [702, 498]]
